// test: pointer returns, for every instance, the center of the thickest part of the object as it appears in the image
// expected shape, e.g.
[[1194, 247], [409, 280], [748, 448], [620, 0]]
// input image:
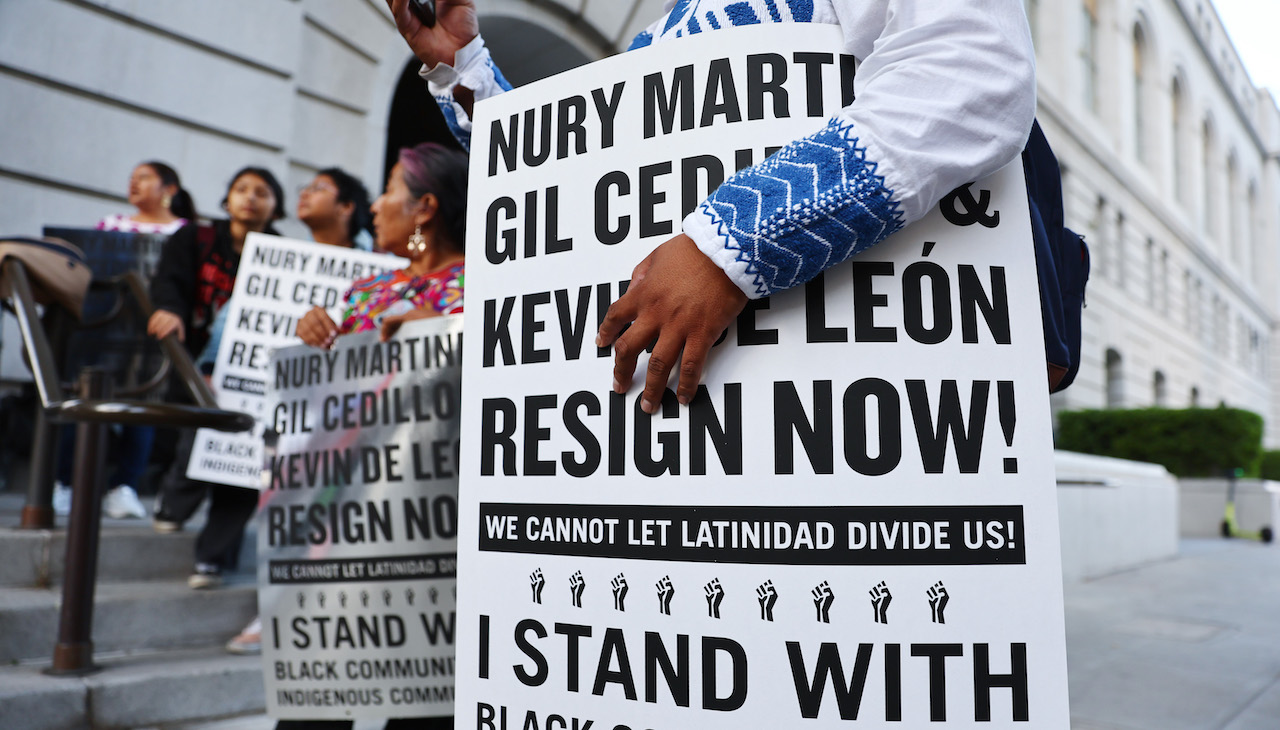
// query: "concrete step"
[[129, 616], [127, 551], [134, 691]]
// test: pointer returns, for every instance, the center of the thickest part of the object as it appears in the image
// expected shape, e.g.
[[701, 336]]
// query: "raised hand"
[[679, 299], [455, 27]]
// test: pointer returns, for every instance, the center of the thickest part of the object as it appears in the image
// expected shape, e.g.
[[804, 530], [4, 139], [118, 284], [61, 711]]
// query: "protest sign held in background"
[[855, 519], [279, 280], [357, 530]]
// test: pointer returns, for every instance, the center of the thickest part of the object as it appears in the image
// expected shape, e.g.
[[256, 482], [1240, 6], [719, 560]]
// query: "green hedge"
[[1270, 465], [1190, 442]]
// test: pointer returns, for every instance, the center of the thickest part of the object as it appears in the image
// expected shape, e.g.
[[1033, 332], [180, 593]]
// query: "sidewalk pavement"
[[1191, 643]]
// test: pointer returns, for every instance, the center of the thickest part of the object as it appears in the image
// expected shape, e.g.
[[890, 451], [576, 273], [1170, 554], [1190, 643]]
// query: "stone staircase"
[[159, 643]]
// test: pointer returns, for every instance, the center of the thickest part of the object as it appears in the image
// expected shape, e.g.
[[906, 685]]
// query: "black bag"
[[1062, 262]]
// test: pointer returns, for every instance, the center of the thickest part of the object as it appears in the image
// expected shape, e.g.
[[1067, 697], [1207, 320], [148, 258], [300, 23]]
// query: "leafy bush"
[[1270, 465], [1188, 442]]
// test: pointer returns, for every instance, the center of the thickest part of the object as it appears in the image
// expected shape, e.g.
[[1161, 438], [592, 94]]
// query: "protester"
[[420, 216], [945, 94], [161, 207], [334, 206], [192, 283]]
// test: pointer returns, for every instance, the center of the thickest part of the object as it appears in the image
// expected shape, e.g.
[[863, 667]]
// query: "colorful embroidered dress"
[[396, 292]]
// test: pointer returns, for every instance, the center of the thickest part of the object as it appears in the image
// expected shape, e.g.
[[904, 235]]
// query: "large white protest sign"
[[854, 520], [278, 281], [357, 530]]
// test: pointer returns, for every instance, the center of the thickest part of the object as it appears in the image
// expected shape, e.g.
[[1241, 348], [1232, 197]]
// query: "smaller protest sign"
[[357, 534], [279, 281]]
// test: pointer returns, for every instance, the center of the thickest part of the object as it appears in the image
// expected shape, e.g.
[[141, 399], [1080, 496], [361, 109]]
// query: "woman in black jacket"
[[192, 283]]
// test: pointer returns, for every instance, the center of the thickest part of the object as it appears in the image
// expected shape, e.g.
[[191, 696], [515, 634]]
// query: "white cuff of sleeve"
[[470, 65], [711, 234]]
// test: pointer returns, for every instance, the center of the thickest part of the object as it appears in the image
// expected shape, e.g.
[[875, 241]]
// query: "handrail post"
[[37, 513], [73, 654]]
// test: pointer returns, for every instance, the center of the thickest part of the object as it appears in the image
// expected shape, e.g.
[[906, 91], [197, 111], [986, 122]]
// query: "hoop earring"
[[417, 242]]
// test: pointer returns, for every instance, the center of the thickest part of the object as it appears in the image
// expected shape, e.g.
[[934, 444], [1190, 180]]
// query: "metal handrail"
[[73, 652], [204, 414]]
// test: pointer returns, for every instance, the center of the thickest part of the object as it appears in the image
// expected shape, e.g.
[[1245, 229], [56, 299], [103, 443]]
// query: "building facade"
[[1169, 152], [1171, 173]]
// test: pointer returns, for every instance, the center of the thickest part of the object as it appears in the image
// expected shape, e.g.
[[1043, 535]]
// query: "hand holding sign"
[[683, 301], [317, 329]]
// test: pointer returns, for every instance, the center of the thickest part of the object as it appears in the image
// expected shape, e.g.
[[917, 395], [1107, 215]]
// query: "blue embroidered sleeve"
[[473, 68], [810, 206]]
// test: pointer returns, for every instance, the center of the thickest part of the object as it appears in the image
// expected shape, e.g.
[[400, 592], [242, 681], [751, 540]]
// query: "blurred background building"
[[1170, 154]]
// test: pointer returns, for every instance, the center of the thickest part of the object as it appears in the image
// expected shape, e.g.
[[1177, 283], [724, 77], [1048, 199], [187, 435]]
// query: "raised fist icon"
[[823, 597], [666, 589], [619, 585], [767, 595], [536, 582], [880, 599], [715, 596], [577, 584]]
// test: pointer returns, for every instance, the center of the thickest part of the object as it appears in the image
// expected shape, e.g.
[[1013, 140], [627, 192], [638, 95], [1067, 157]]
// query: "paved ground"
[[1185, 644], [1191, 643]]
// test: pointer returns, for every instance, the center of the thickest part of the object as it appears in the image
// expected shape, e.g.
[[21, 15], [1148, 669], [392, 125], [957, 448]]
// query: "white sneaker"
[[61, 499], [123, 502]]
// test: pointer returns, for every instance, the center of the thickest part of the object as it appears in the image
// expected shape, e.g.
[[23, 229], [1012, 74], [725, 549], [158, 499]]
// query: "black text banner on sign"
[[357, 528], [855, 519], [279, 280]]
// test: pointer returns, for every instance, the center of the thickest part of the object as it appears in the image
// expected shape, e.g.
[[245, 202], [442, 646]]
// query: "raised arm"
[[455, 63]]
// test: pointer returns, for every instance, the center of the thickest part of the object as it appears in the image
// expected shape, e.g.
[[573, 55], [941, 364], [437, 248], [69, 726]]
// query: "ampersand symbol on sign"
[[975, 209]]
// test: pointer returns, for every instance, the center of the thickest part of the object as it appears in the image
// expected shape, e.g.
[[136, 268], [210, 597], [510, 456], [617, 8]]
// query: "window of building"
[[1089, 53], [1177, 164], [1099, 241], [1115, 379], [1208, 211], [1150, 266], [1234, 237], [1252, 255], [1159, 390], [1188, 302], [1139, 93], [1195, 397], [1164, 282], [1120, 253]]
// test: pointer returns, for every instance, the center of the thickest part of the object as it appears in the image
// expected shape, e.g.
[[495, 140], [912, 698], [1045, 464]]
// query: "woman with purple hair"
[[422, 217]]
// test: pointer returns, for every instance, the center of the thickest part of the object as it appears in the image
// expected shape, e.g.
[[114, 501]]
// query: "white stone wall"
[[89, 88]]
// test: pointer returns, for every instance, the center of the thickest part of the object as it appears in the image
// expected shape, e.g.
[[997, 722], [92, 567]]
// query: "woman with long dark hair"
[[422, 217], [162, 205], [192, 283]]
